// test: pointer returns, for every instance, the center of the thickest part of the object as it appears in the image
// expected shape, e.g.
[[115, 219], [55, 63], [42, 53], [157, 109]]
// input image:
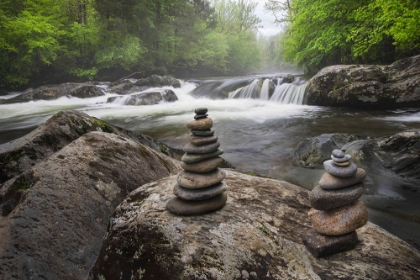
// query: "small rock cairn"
[[199, 187], [336, 212]]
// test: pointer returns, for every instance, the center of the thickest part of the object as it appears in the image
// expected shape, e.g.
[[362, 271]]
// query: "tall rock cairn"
[[336, 212], [199, 188]]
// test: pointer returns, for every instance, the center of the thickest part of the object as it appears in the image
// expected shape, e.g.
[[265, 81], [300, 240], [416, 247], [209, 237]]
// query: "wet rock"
[[393, 86], [203, 149], [202, 133], [200, 124], [86, 91], [193, 180], [330, 182], [321, 199], [59, 209], [145, 98], [199, 140], [258, 231], [158, 81], [341, 220], [203, 166], [191, 158]]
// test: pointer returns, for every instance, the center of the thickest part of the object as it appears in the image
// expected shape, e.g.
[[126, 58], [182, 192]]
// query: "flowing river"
[[257, 135]]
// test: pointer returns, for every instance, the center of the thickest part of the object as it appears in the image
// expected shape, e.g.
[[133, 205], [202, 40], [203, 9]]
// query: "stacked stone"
[[199, 187], [336, 211]]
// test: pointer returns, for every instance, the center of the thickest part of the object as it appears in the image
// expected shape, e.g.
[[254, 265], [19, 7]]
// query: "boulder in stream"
[[145, 98], [256, 235]]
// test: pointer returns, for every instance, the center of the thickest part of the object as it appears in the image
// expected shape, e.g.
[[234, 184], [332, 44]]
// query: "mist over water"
[[257, 135]]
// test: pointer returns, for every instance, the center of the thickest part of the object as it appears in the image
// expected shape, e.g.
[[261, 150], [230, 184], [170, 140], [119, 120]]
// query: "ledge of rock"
[[256, 235], [145, 98], [127, 86], [55, 214], [393, 86]]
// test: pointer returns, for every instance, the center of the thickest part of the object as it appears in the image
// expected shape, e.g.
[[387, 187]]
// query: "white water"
[[289, 94], [265, 95]]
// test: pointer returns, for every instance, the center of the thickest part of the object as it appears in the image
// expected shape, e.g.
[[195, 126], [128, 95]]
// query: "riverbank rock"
[[145, 98], [370, 86], [55, 214], [257, 235], [128, 86], [52, 92]]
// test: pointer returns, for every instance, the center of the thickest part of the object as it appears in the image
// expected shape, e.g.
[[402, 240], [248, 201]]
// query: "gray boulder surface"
[[256, 235], [56, 213], [393, 86], [146, 98], [127, 86]]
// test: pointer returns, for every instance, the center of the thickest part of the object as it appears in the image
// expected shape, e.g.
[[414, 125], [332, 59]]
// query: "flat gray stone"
[[330, 182], [184, 207], [191, 158], [321, 245], [338, 171], [338, 153], [191, 180], [199, 194], [339, 221], [207, 132], [200, 140], [346, 157], [329, 199], [203, 149], [197, 117], [200, 124], [203, 166]]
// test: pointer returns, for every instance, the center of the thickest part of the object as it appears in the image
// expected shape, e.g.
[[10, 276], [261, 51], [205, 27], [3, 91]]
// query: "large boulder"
[[219, 89], [257, 235], [396, 85], [145, 98], [56, 213], [52, 92], [128, 86]]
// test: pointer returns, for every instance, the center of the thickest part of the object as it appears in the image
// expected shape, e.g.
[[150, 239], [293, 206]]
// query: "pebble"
[[342, 164], [203, 149], [343, 172], [197, 117], [341, 220], [321, 245], [193, 180], [338, 153], [200, 124], [203, 166], [202, 133], [199, 194], [191, 158], [330, 182], [184, 207], [347, 157], [321, 199], [199, 140], [201, 111]]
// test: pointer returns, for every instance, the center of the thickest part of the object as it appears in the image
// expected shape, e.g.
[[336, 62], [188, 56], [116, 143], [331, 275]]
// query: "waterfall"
[[249, 91], [290, 94], [265, 90]]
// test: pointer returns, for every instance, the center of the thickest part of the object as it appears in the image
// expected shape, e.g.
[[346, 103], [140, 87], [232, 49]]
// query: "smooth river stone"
[[203, 149], [184, 207], [199, 194], [201, 111], [347, 157], [197, 117], [329, 199], [342, 164], [199, 140], [191, 180], [338, 153], [202, 133], [191, 158], [203, 166], [341, 220], [343, 172], [200, 124], [321, 245], [330, 182]]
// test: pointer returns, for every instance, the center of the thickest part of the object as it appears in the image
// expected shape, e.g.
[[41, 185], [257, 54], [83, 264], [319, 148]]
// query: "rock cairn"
[[199, 187], [336, 212]]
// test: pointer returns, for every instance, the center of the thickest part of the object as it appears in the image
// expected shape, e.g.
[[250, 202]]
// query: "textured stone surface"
[[203, 149], [338, 171], [191, 158], [60, 208], [145, 98], [196, 207], [321, 245], [198, 141], [203, 166], [340, 220], [192, 180], [202, 133], [257, 233], [199, 194], [328, 199], [330, 182], [200, 124]]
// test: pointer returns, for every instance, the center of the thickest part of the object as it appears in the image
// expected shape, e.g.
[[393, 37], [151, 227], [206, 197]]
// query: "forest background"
[[52, 41]]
